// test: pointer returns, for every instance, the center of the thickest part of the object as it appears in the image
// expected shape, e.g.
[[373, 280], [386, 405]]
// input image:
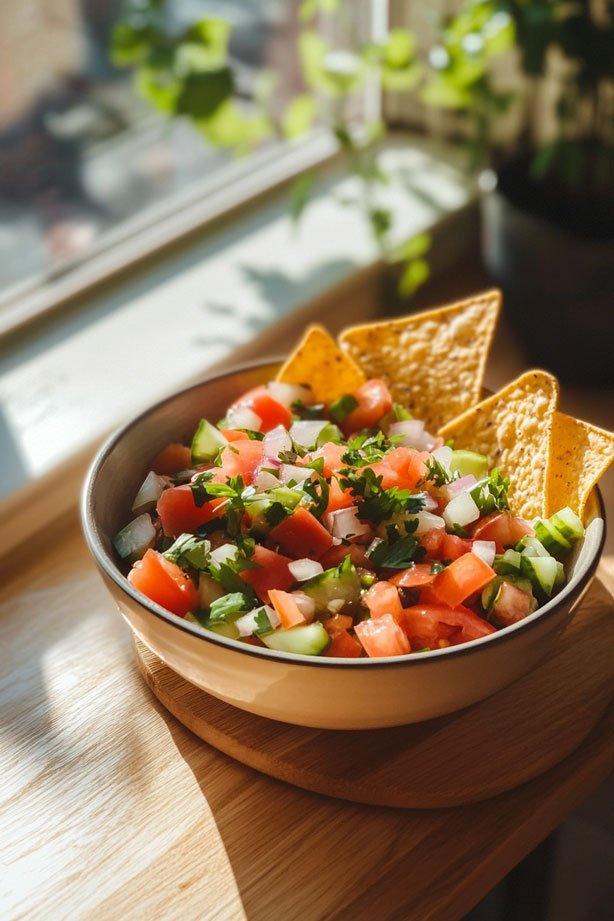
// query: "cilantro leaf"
[[315, 411], [376, 503], [263, 624], [340, 409], [318, 490], [398, 555], [233, 603], [275, 513], [189, 551], [437, 473], [490, 495]]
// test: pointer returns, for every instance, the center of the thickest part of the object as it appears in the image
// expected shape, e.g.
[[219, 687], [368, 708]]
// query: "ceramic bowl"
[[307, 691]]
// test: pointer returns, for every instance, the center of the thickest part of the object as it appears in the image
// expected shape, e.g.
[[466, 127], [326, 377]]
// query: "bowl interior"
[[124, 461]]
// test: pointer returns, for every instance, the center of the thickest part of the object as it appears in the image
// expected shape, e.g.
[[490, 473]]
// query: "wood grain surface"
[[479, 752]]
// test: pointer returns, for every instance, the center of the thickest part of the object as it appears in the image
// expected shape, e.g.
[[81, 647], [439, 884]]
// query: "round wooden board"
[[474, 754]]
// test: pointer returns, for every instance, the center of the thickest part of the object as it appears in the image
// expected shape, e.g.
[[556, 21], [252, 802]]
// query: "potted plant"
[[548, 202]]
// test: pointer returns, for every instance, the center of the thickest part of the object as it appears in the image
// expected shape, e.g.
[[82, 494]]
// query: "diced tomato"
[[273, 572], [336, 555], [234, 435], [382, 636], [302, 535], [344, 646], [383, 598], [389, 476], [512, 604], [374, 401], [179, 514], [331, 453], [267, 408], [338, 497], [173, 458], [431, 541], [435, 626], [453, 547], [408, 464], [466, 575], [286, 607], [165, 583], [240, 459], [503, 528], [418, 574], [338, 623]]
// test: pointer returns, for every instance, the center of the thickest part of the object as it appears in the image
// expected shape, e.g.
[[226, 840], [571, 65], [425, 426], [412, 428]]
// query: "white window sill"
[[66, 383]]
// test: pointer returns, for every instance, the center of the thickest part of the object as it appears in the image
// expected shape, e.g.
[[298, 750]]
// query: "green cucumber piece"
[[490, 594], [531, 546], [542, 573], [305, 640], [332, 585], [466, 462], [560, 578], [137, 537], [508, 563], [206, 443], [568, 524], [550, 536]]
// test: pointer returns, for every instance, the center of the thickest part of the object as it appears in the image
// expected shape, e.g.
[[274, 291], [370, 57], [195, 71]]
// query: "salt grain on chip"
[[513, 428], [433, 362]]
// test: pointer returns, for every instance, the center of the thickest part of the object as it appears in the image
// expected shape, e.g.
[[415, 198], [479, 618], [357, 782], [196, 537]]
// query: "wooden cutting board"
[[474, 754]]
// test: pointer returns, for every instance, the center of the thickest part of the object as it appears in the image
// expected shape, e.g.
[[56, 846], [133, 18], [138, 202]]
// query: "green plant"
[[564, 45], [187, 72]]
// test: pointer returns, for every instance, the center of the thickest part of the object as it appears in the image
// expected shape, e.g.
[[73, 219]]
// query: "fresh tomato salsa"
[[342, 529]]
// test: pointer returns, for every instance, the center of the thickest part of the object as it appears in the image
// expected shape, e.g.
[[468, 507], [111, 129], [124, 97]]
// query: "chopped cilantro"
[[316, 464], [490, 495], [233, 603], [189, 551], [253, 435], [376, 503], [459, 531], [341, 408], [318, 491], [437, 473], [263, 624], [275, 513], [402, 414], [315, 411], [398, 555]]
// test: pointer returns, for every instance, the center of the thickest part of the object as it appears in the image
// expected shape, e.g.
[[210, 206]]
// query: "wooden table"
[[110, 808]]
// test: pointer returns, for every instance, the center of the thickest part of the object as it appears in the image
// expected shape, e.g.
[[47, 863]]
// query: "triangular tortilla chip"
[[433, 362], [513, 428], [581, 454], [319, 363]]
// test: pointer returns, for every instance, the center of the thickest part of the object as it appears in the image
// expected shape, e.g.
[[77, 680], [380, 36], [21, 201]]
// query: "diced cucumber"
[[560, 578], [340, 583], [531, 546], [550, 536], [508, 563], [305, 640], [542, 572], [209, 590], [137, 537], [490, 593], [206, 443], [466, 462], [568, 524]]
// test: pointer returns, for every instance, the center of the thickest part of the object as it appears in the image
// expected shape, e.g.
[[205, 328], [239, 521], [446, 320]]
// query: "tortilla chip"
[[581, 454], [513, 428], [319, 363], [433, 362]]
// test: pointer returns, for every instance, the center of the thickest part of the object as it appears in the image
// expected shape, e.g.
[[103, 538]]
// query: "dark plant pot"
[[558, 288]]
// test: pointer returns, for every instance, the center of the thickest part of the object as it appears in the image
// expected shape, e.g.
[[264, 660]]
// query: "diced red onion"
[[463, 484], [430, 504], [305, 432], [150, 491], [224, 553], [485, 549], [432, 442], [427, 522], [265, 480], [412, 431], [461, 510], [290, 393], [305, 569], [246, 625], [289, 473], [242, 417], [344, 523], [276, 441], [443, 455], [305, 604]]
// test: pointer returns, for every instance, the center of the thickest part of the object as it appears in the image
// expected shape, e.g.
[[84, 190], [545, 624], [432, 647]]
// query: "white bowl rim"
[[580, 578]]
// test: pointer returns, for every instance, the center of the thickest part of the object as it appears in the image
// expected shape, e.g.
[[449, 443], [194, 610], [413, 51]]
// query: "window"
[[85, 162]]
